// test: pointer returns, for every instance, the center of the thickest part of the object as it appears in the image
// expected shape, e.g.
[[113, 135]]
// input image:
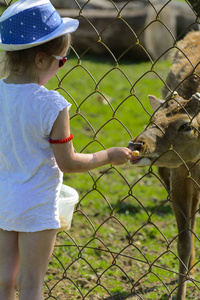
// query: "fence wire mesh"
[[123, 240]]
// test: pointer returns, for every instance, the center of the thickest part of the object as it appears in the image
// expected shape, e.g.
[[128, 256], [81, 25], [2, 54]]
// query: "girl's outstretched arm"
[[71, 162]]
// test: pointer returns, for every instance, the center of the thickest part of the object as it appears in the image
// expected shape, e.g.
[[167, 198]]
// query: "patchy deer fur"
[[185, 70], [172, 142]]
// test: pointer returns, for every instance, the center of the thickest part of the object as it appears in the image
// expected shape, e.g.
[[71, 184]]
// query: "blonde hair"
[[24, 59]]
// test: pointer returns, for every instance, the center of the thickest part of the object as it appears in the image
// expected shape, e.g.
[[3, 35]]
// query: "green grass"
[[109, 94], [122, 223], [123, 236]]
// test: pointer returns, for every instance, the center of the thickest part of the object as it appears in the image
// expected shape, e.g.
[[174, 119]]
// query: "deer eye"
[[185, 127]]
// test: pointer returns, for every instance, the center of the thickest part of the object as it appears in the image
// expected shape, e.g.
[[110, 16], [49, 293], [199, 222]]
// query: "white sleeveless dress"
[[30, 179]]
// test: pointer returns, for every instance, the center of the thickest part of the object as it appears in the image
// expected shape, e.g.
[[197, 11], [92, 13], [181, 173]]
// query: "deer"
[[171, 142]]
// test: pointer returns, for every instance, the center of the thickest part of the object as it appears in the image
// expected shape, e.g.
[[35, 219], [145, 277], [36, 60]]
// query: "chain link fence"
[[122, 243]]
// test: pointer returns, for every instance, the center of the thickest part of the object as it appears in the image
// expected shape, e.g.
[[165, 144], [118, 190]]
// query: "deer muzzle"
[[135, 147]]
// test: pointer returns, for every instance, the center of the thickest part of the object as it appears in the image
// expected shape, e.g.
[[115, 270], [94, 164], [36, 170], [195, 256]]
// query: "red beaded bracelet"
[[61, 141]]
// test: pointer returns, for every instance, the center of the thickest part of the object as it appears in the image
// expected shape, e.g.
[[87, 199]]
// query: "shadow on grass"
[[121, 297], [127, 208], [140, 292]]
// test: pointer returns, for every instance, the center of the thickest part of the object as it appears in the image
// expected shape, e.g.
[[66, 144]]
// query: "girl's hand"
[[118, 155]]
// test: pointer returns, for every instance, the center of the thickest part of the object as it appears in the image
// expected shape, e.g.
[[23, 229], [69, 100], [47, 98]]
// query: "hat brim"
[[68, 26]]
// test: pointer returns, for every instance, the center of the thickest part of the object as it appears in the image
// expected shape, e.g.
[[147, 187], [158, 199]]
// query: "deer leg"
[[194, 209], [192, 256], [184, 247], [182, 203]]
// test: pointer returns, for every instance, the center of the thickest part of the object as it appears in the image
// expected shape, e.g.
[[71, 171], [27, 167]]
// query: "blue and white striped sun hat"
[[29, 23]]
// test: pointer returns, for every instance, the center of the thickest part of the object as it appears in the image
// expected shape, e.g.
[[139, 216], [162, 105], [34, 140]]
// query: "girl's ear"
[[40, 60]]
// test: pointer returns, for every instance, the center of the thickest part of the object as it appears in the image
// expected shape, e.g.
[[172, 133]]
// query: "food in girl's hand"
[[136, 153]]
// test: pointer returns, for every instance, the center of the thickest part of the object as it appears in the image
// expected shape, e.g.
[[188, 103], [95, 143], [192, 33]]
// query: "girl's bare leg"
[[9, 263], [35, 250]]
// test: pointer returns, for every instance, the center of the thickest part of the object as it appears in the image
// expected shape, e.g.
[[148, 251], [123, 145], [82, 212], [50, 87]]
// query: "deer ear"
[[155, 102], [193, 104]]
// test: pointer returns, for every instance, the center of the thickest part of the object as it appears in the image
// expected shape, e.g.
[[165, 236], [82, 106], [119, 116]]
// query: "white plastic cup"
[[67, 200]]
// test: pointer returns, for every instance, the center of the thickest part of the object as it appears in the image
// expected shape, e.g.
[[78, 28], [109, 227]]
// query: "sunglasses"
[[61, 59]]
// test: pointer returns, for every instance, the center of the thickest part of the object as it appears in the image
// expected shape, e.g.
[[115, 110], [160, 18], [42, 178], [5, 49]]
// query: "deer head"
[[173, 134]]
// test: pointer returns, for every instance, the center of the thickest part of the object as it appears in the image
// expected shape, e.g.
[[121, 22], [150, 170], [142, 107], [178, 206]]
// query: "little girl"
[[35, 144]]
